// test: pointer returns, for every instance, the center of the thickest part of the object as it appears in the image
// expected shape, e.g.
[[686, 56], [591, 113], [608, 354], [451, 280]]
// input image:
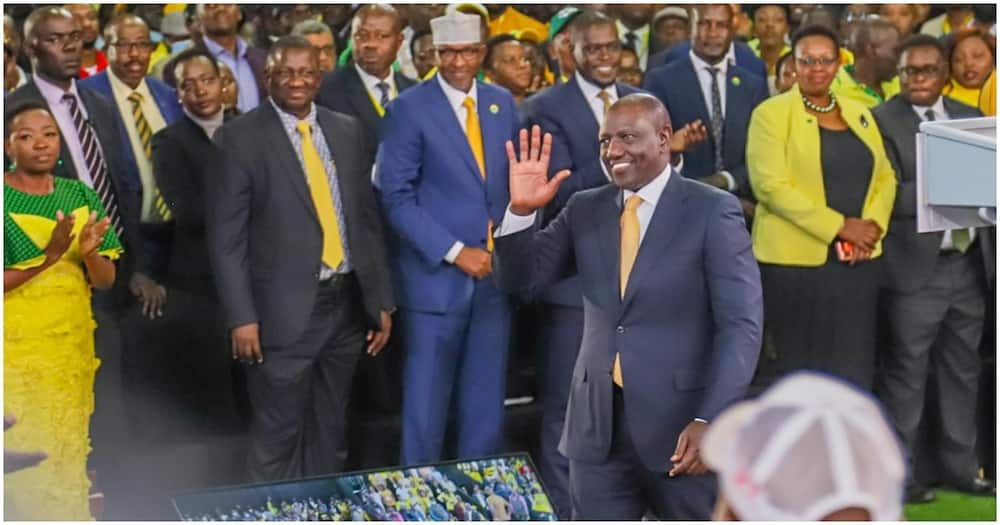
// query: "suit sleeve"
[[906, 191], [129, 199], [737, 308], [883, 196], [373, 224], [229, 195], [739, 170], [400, 158], [534, 259], [771, 178], [174, 179]]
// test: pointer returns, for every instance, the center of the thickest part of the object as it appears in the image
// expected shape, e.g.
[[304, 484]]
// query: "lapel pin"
[[736, 81], [494, 109]]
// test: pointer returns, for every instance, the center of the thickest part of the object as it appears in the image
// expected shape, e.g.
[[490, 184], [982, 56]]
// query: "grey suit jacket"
[[264, 238], [910, 256]]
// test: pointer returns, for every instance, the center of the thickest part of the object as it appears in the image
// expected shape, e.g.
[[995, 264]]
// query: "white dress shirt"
[[941, 114], [642, 41], [371, 84], [705, 81], [455, 98], [64, 119], [650, 194], [591, 94], [154, 118]]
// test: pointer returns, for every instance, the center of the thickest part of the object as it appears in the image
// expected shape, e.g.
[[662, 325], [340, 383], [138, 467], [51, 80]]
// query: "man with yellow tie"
[[296, 245], [672, 312], [443, 176]]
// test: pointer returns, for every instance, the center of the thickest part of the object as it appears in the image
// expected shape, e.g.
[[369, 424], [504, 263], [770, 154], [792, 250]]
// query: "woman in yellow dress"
[[57, 244]]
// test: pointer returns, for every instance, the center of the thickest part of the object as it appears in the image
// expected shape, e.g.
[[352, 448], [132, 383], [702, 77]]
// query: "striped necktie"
[[384, 88], [160, 208], [95, 163]]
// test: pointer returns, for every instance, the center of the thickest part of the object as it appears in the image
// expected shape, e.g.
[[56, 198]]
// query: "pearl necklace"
[[821, 109]]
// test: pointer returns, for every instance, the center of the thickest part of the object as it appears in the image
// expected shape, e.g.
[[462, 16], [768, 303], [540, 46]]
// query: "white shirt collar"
[[700, 65], [591, 90], [652, 191], [371, 81], [939, 112], [639, 33], [455, 96]]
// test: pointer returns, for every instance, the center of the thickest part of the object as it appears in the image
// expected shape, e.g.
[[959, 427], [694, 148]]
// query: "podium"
[[956, 174]]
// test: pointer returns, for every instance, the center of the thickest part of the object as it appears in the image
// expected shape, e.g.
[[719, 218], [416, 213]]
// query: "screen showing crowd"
[[500, 488]]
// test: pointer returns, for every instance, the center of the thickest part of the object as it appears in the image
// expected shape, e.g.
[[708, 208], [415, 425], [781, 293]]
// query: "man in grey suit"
[[937, 284], [295, 241]]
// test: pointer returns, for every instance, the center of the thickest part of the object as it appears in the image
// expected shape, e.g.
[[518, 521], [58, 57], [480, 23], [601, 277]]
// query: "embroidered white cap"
[[456, 28], [809, 446]]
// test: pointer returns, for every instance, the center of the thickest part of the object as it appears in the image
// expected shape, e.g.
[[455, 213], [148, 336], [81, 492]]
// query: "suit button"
[[620, 329]]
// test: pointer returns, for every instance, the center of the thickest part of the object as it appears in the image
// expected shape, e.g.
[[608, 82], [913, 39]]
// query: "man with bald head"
[[672, 312], [368, 84], [871, 79]]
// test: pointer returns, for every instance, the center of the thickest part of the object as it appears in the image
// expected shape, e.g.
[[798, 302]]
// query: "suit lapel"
[[666, 222], [358, 95], [736, 100], [448, 124], [608, 218], [584, 116], [695, 97], [492, 135], [288, 157]]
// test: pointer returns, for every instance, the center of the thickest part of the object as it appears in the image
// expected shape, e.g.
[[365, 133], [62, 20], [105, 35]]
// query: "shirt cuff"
[[700, 420], [680, 162], [513, 223], [453, 252], [729, 179]]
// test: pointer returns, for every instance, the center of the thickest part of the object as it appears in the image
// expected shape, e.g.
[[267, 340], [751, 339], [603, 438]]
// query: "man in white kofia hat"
[[442, 170]]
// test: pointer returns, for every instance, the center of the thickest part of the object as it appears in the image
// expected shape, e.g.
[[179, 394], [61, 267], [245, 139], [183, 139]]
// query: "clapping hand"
[[62, 237], [92, 234], [687, 136], [530, 187]]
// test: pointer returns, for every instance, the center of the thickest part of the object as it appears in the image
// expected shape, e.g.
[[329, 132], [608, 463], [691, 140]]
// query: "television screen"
[[496, 488]]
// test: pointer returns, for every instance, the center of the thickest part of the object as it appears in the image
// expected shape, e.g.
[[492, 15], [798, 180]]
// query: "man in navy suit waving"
[[672, 312]]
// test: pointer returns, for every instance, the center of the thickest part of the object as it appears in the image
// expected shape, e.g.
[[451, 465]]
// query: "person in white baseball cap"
[[810, 448]]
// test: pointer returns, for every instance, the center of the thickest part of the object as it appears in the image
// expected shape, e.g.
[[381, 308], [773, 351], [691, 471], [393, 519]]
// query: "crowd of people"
[[249, 220]]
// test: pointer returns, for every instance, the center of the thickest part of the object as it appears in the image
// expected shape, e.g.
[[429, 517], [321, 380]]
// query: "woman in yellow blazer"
[[820, 174]]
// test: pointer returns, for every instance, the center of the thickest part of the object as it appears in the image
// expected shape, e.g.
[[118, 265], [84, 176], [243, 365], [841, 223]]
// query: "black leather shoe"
[[916, 493], [980, 487]]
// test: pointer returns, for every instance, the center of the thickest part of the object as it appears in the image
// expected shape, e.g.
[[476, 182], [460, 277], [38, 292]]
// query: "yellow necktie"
[[474, 134], [319, 188], [606, 98], [146, 138], [629, 251]]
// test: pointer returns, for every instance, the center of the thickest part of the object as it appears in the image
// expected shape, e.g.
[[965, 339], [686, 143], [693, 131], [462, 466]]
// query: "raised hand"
[[62, 237], [530, 187], [92, 234], [687, 136]]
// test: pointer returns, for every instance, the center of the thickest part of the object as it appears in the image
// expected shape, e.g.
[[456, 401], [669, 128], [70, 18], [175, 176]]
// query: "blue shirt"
[[249, 95], [290, 123]]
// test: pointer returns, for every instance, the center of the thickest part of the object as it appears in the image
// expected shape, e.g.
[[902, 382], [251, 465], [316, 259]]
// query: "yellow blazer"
[[793, 225]]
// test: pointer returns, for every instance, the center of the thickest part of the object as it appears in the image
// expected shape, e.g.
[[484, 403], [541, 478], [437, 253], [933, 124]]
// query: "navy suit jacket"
[[688, 329], [745, 57], [677, 86], [563, 111], [432, 192], [164, 96]]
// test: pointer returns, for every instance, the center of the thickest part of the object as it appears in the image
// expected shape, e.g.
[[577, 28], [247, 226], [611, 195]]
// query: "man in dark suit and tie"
[[143, 105], [572, 113], [738, 53], [672, 313], [365, 87], [704, 86], [90, 152], [295, 242], [442, 172], [937, 288]]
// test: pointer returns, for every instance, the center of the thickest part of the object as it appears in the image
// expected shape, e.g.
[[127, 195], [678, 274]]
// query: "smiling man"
[[443, 177], [672, 312], [295, 243]]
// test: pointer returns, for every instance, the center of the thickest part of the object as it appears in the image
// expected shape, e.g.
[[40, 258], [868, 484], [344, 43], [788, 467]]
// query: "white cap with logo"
[[456, 28], [809, 446]]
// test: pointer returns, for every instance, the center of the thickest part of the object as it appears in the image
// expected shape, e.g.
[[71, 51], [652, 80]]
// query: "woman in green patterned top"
[[57, 244]]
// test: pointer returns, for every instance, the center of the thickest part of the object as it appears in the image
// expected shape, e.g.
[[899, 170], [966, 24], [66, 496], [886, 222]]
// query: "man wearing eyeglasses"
[[937, 288], [441, 169]]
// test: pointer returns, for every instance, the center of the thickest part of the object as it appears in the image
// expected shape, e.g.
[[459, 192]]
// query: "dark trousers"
[[560, 329], [623, 489], [935, 334], [299, 394]]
